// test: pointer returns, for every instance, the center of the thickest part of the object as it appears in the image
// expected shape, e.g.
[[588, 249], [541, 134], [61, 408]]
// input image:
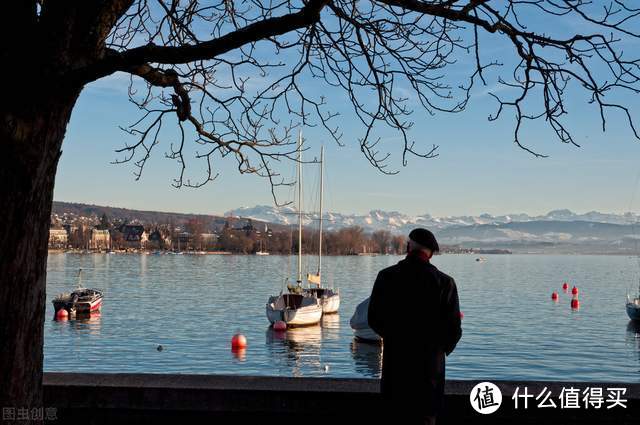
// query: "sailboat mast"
[[321, 200], [300, 208]]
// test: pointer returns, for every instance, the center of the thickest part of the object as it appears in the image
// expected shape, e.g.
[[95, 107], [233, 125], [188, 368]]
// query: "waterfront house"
[[100, 239], [58, 238], [134, 236], [159, 239]]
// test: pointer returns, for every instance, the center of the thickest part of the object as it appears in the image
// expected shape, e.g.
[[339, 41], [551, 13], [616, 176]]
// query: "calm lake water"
[[192, 305]]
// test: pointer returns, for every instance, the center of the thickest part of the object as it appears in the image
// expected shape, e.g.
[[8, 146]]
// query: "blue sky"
[[479, 168]]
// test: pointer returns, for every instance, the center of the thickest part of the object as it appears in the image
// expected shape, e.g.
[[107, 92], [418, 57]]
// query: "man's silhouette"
[[414, 308]]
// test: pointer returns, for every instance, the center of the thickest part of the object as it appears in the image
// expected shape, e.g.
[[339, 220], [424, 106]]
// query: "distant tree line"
[[235, 235]]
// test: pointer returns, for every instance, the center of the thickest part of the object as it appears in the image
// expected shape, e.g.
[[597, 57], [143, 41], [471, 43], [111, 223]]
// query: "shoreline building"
[[100, 239], [58, 238]]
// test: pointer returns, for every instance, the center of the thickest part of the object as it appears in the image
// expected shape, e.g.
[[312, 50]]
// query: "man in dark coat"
[[414, 308]]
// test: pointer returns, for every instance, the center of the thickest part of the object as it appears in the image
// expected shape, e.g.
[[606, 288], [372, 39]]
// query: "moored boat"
[[297, 307], [360, 324], [294, 309], [329, 297], [261, 251], [633, 306], [80, 301]]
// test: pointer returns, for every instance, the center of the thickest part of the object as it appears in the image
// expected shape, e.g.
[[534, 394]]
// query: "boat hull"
[[367, 335], [330, 304], [360, 324], [633, 311], [308, 311], [329, 298]]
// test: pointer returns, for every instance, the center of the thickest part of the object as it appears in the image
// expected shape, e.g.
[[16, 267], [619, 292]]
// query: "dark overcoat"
[[414, 308]]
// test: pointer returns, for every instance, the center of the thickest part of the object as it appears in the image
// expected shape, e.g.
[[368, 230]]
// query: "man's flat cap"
[[424, 238]]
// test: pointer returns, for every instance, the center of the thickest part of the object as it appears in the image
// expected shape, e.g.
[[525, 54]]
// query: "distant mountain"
[[558, 230], [398, 222]]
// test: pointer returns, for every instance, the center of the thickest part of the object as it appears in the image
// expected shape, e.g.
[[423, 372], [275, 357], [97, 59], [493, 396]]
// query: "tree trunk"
[[31, 136]]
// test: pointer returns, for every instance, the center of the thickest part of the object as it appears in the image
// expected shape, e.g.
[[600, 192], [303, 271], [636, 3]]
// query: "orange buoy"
[[565, 286], [279, 326], [62, 314], [574, 290], [554, 296], [238, 342], [461, 315]]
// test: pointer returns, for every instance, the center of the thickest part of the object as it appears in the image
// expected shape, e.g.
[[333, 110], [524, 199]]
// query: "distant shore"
[[147, 252]]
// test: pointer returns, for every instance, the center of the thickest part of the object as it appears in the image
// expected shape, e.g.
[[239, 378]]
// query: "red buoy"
[[62, 314], [279, 326], [238, 341], [574, 290], [461, 315], [554, 296], [575, 303], [565, 286]]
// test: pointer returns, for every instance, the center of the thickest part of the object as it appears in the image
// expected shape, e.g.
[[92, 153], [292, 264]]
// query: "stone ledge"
[[142, 398]]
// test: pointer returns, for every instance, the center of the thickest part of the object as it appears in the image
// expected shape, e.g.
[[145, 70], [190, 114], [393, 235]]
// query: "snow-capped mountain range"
[[397, 222], [556, 231]]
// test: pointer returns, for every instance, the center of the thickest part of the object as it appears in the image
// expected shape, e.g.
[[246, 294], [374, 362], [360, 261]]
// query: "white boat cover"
[[360, 320]]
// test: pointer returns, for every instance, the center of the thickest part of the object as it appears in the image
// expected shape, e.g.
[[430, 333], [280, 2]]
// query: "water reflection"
[[367, 357], [239, 353], [150, 300], [87, 323], [330, 326], [298, 348], [82, 324], [633, 335]]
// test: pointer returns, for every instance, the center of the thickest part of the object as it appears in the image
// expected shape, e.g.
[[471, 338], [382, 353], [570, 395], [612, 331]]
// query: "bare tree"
[[382, 241], [238, 78]]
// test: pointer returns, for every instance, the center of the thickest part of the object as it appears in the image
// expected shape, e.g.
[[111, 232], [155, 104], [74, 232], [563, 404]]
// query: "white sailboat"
[[297, 307], [329, 298], [261, 252]]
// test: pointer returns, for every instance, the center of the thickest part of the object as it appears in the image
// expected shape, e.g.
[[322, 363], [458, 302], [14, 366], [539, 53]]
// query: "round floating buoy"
[[574, 290], [279, 326], [575, 303], [62, 314], [238, 341], [565, 286], [554, 296], [461, 315]]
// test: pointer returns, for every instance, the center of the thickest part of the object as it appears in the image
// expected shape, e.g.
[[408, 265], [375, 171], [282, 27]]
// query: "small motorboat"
[[633, 306], [360, 324], [80, 301], [294, 309]]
